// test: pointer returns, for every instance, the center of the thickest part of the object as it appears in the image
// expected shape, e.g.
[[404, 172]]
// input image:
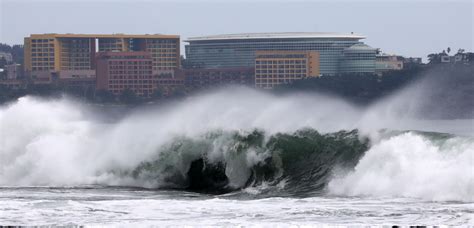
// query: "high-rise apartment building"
[[273, 68], [76, 52]]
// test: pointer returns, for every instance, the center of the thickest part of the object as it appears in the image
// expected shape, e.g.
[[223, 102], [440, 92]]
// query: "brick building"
[[196, 79], [118, 71]]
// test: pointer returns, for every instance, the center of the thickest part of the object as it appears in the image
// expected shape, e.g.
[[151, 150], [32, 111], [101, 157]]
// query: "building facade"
[[457, 58], [119, 71], [168, 83], [358, 58], [198, 79], [239, 50], [273, 68], [386, 62], [76, 52], [13, 71], [7, 56]]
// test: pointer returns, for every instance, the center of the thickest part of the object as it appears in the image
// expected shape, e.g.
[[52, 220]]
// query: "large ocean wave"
[[237, 140]]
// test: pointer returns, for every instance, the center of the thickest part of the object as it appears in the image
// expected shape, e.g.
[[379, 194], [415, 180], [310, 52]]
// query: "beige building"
[[73, 55], [7, 56], [273, 68], [386, 62]]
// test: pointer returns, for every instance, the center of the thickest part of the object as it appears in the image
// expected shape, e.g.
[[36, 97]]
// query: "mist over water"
[[62, 142]]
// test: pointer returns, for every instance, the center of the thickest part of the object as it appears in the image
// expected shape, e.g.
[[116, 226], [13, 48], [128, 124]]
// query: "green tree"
[[104, 96], [3, 62], [178, 92], [470, 56], [159, 93], [128, 97], [434, 58]]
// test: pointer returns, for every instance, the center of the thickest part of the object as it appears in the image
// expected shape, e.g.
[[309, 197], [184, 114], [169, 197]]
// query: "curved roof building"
[[358, 58], [283, 35], [238, 50]]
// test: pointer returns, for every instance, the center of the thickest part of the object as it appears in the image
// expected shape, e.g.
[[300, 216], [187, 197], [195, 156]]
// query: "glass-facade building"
[[238, 50], [358, 58]]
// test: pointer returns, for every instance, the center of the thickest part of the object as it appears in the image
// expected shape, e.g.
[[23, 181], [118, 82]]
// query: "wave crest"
[[413, 165], [229, 143]]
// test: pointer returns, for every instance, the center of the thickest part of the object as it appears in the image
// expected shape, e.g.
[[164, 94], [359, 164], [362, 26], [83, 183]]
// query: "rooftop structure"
[[197, 79], [281, 35]]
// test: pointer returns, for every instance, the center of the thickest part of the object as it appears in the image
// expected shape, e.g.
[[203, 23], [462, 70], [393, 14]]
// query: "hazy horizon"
[[408, 28]]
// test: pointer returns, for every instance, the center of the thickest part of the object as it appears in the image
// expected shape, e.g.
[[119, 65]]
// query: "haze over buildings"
[[408, 28]]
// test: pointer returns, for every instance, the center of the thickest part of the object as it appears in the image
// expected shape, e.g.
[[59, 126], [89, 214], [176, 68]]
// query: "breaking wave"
[[220, 143], [430, 166]]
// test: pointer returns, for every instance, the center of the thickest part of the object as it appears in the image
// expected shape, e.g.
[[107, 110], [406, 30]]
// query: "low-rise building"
[[386, 62], [197, 79], [273, 68], [7, 56], [43, 77], [457, 58], [13, 71], [412, 60], [13, 84], [119, 71]]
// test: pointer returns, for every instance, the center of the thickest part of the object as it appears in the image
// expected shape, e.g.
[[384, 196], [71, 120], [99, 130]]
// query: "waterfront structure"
[[386, 62], [120, 71], [74, 54], [273, 68], [337, 51]]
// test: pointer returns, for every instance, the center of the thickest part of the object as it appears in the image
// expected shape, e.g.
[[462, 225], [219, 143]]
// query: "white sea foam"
[[410, 165]]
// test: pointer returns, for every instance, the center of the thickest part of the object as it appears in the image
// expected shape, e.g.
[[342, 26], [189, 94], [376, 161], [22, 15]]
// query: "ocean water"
[[96, 206], [234, 157]]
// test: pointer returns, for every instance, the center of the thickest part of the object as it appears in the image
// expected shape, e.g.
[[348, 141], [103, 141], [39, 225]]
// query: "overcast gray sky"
[[405, 27]]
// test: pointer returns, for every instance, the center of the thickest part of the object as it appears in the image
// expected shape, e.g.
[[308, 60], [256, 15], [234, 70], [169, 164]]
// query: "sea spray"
[[412, 164], [62, 143]]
